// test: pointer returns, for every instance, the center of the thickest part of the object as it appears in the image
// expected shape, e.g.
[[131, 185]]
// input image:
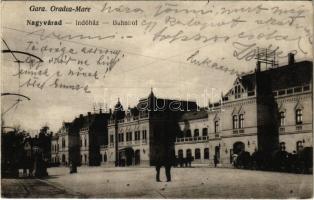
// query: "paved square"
[[186, 183]]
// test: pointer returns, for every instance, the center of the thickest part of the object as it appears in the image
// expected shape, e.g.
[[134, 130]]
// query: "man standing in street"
[[164, 156], [215, 160]]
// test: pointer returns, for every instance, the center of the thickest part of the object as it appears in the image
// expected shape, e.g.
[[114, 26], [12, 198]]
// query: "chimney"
[[81, 115], [100, 111], [89, 113], [291, 58]]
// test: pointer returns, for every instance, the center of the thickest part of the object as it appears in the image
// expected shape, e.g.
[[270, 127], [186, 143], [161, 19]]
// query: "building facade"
[[64, 143], [268, 110], [55, 158], [193, 139], [135, 134], [79, 141], [93, 134]]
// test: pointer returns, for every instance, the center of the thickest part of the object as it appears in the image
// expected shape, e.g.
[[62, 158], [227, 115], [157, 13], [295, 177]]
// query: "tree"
[[44, 142], [12, 151]]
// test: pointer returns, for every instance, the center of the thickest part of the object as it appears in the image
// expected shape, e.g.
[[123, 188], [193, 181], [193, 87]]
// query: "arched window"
[[206, 153], [205, 132], [282, 118], [216, 126], [197, 154], [180, 153], [241, 120], [298, 116], [196, 133], [188, 133], [188, 153], [235, 121], [85, 143]]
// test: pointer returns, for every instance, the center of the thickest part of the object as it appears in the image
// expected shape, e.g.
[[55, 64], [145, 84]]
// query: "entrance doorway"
[[137, 157], [217, 153], [126, 157], [238, 147]]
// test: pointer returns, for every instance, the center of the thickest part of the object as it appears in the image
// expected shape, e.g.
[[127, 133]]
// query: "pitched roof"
[[193, 115], [283, 77]]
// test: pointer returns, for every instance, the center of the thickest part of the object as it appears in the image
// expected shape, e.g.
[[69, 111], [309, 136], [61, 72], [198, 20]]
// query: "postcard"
[[157, 99]]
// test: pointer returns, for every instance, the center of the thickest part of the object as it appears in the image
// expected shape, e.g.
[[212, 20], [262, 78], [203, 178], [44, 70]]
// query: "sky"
[[171, 49]]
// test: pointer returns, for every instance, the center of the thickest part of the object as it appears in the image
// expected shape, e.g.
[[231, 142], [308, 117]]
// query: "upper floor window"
[[129, 136], [235, 121], [137, 135], [205, 131], [188, 133], [298, 116], [241, 120], [144, 135], [121, 137], [216, 126], [282, 118], [196, 133], [180, 153], [85, 142], [237, 91], [111, 138], [63, 143]]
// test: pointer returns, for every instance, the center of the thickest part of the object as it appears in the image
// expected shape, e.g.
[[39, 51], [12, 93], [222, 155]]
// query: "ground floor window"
[[206, 153], [188, 153], [197, 154]]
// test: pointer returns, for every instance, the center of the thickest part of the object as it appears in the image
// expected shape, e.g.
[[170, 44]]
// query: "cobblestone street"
[[33, 188], [140, 183]]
